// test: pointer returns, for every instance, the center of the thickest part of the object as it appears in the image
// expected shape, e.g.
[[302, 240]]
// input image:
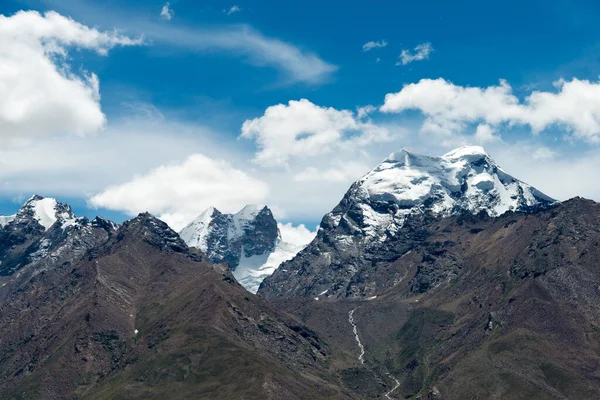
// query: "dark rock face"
[[260, 236], [382, 217], [226, 238], [26, 243], [132, 312]]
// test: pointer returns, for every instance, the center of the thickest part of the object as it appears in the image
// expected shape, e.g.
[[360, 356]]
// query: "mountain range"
[[433, 278]]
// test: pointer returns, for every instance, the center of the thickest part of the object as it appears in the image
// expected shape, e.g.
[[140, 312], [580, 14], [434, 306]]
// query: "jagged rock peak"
[[43, 211], [249, 242], [213, 230], [153, 231], [104, 223]]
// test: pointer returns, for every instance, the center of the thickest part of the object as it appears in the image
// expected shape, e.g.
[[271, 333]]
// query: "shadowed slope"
[[142, 316]]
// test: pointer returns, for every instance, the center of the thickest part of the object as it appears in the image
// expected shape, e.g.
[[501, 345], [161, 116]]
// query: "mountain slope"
[[249, 242], [483, 308], [371, 225], [142, 316]]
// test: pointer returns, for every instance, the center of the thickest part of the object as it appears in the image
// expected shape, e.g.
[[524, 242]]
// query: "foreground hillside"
[[481, 308], [138, 316]]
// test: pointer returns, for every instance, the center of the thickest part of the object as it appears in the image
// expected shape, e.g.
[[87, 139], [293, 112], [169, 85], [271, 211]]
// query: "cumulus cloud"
[[485, 134], [178, 193], [301, 128], [232, 9], [574, 106], [374, 45], [166, 12], [543, 153], [41, 95], [421, 52], [297, 235], [339, 171]]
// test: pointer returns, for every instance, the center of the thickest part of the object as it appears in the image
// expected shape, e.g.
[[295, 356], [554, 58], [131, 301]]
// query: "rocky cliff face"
[[249, 242], [379, 220], [227, 238], [45, 233]]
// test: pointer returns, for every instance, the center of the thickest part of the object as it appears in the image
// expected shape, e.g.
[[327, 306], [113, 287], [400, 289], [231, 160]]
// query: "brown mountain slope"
[[144, 317], [482, 308]]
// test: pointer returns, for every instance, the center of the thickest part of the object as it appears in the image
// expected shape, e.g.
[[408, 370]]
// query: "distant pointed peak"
[[153, 231], [143, 216], [35, 197], [104, 223], [250, 211], [43, 209], [146, 219], [210, 212], [399, 156]]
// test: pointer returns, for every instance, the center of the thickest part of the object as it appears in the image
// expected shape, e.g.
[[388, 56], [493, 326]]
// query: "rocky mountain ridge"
[[131, 311], [378, 220]]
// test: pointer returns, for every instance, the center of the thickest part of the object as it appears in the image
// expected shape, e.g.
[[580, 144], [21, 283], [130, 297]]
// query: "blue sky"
[[192, 81]]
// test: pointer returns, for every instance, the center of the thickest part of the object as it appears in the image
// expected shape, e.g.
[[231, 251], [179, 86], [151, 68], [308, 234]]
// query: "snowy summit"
[[465, 179]]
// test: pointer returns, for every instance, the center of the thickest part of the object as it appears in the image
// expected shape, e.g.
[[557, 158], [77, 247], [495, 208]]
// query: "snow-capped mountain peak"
[[378, 219], [249, 241], [464, 179], [212, 224], [47, 211]]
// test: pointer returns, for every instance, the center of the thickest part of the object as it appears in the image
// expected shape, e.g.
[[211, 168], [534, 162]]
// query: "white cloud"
[[575, 106], [339, 171], [232, 9], [374, 45], [296, 64], [485, 134], [422, 52], [178, 193], [166, 12], [68, 165], [304, 129], [41, 95], [543, 153], [364, 111], [297, 235], [561, 175]]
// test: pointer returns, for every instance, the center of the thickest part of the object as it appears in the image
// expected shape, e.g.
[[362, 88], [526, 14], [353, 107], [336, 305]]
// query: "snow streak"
[[387, 395], [361, 356]]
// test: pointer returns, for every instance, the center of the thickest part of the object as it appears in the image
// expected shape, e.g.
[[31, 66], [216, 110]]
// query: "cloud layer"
[[304, 129], [41, 95], [575, 106], [178, 193]]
